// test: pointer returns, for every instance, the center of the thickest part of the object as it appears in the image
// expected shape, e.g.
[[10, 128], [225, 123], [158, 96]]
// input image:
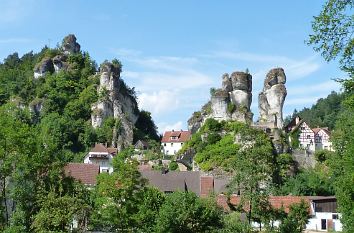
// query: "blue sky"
[[174, 51]]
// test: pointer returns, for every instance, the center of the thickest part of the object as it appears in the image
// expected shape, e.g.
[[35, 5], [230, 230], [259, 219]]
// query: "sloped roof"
[[174, 181], [112, 151], [316, 130], [86, 173], [99, 148], [276, 202], [182, 136]]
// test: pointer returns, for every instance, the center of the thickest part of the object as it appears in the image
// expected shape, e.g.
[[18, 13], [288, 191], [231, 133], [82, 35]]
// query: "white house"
[[322, 139], [172, 141], [310, 139], [101, 156], [324, 215]]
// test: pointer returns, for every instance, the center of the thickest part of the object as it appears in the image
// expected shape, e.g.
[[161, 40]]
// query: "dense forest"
[[324, 113]]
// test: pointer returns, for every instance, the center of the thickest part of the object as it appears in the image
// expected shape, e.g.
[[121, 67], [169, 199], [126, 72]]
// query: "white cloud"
[[163, 126], [159, 102]]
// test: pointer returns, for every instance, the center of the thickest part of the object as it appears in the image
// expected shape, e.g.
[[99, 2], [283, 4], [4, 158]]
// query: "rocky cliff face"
[[115, 101], [231, 102], [271, 99]]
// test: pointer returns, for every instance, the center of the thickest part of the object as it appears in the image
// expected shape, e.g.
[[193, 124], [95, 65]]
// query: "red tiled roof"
[[86, 173], [182, 136], [276, 202]]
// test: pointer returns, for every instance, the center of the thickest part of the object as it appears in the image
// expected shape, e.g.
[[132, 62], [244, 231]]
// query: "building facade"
[[310, 139], [173, 141], [102, 156]]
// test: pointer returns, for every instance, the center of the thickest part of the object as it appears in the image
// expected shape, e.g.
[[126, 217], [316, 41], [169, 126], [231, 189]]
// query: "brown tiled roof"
[[316, 130], [182, 136], [112, 151], [99, 148], [86, 173], [174, 181]]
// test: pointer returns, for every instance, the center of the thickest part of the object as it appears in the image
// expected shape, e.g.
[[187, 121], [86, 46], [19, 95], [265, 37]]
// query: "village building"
[[172, 141], [102, 156], [324, 214], [310, 139]]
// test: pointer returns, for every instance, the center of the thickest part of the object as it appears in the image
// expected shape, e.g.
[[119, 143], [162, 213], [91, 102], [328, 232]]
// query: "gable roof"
[[83, 172], [276, 202], [99, 148], [317, 130], [182, 136], [173, 180]]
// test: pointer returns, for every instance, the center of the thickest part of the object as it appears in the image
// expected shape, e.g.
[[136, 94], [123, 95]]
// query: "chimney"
[[173, 130], [206, 185]]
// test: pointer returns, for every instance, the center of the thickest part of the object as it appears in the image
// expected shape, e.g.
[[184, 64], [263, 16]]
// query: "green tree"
[[333, 36], [185, 212], [296, 219], [333, 32]]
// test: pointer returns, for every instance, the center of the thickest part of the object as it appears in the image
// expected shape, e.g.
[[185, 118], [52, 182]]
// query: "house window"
[[164, 144], [171, 144], [308, 136], [302, 128], [323, 224], [334, 216], [105, 170], [326, 147], [181, 143], [308, 145]]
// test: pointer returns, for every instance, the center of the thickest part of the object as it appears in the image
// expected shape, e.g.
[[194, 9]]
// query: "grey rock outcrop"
[[69, 44], [231, 102], [46, 65], [59, 62], [115, 101], [271, 99]]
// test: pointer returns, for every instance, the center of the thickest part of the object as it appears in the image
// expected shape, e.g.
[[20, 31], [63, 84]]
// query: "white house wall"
[[171, 148], [104, 163], [307, 137], [315, 222]]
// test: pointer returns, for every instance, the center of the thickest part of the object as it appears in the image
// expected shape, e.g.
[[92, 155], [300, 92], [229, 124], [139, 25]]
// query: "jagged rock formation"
[[115, 101], [46, 65], [271, 99], [57, 63], [231, 102], [69, 45]]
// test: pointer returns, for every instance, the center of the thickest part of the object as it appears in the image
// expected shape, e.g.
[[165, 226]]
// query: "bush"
[[173, 166]]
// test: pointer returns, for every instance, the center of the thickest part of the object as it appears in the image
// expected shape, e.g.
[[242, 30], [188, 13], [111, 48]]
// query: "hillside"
[[323, 113], [73, 101]]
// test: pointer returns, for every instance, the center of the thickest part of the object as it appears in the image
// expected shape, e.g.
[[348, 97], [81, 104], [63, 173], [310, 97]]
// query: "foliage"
[[185, 212], [231, 107], [310, 182], [333, 33], [322, 114], [145, 127], [332, 36], [294, 138], [173, 166], [323, 155], [297, 218], [233, 223]]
